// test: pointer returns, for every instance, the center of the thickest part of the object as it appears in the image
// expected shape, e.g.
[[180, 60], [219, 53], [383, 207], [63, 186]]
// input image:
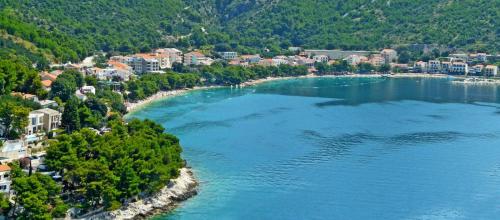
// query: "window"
[[3, 187]]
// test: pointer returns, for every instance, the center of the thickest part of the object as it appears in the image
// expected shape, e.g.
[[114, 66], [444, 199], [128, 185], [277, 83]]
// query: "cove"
[[339, 148]]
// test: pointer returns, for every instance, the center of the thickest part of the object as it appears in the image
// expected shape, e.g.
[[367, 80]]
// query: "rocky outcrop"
[[180, 189]]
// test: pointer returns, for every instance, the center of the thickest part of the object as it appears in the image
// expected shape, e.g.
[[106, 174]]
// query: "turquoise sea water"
[[339, 148]]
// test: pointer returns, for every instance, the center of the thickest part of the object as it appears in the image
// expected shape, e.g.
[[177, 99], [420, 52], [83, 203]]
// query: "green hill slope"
[[72, 29]]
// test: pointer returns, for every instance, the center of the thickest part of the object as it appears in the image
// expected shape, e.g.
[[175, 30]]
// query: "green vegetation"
[[107, 170], [38, 195], [73, 29], [216, 74], [17, 75], [14, 113]]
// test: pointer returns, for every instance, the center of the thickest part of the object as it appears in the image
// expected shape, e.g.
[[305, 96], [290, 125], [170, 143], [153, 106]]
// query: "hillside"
[[72, 29]]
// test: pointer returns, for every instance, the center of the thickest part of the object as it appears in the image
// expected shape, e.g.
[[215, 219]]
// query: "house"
[[25, 96], [251, 59], [35, 123], [445, 67], [353, 60], [228, 55], [434, 66], [144, 63], [459, 57], [320, 58], [376, 60], [77, 67], [13, 150], [420, 67], [175, 55], [336, 54], [389, 55], [87, 90], [48, 76], [51, 118], [48, 104], [196, 58], [5, 180], [46, 84], [459, 68], [479, 57], [304, 61], [491, 70], [476, 70]]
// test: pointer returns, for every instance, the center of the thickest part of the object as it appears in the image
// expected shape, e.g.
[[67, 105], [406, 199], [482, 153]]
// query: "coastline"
[[135, 106], [168, 198]]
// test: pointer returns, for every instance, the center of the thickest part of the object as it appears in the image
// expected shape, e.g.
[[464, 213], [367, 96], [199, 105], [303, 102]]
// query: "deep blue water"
[[339, 148]]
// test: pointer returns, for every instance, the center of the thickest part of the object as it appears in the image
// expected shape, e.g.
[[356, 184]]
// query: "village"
[[45, 123]]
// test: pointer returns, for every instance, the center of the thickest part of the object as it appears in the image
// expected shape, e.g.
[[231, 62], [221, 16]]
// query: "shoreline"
[[161, 95], [164, 201]]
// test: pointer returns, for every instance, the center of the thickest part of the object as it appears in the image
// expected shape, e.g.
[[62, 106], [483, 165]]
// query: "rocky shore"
[[180, 189]]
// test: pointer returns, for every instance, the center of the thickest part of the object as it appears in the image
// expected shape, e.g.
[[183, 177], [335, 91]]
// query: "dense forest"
[[65, 30]]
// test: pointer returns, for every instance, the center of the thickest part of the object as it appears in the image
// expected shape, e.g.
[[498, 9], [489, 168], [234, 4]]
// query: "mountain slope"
[[72, 29]]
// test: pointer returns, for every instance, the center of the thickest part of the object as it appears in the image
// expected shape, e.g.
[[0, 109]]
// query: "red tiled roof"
[[46, 83], [4, 168]]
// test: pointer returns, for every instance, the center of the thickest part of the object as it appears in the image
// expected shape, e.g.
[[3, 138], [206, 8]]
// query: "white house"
[[434, 66], [491, 70], [459, 68], [229, 55], [88, 89], [13, 150], [35, 123], [5, 180], [320, 58]]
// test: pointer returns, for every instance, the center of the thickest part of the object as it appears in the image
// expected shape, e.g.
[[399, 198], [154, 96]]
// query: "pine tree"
[[70, 116]]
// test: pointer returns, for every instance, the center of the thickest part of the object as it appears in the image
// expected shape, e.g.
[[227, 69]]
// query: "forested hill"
[[71, 29], [362, 24]]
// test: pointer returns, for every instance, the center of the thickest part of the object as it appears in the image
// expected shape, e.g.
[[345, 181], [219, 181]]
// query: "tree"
[[13, 116], [70, 117], [63, 87]]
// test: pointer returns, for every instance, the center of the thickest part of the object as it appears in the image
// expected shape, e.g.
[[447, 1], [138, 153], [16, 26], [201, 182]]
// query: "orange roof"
[[4, 168], [195, 53], [49, 76], [119, 65], [46, 83], [145, 55]]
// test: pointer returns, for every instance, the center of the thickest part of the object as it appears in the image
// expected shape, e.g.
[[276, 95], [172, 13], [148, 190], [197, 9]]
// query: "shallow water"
[[339, 148]]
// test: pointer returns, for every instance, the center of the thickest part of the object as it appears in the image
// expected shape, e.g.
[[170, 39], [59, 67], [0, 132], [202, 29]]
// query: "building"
[[353, 60], [251, 59], [228, 55], [445, 67], [144, 63], [320, 58], [35, 123], [13, 150], [51, 118], [196, 58], [376, 60], [389, 55], [48, 104], [476, 70], [87, 90], [5, 180], [337, 54], [420, 67], [434, 66], [175, 55], [25, 96], [491, 70], [459, 68], [479, 57]]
